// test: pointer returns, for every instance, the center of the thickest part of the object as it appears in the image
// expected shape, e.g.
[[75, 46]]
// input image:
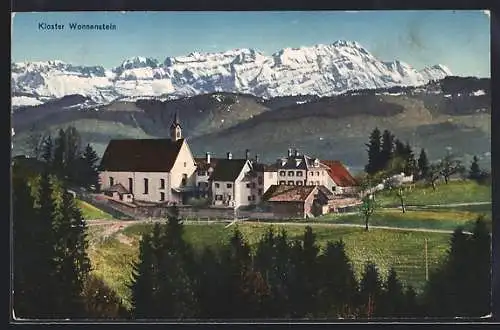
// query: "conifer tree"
[[370, 290], [89, 167], [143, 280], [26, 280], [59, 165], [338, 286], [374, 148], [47, 150], [475, 171], [393, 297], [410, 162], [387, 149], [423, 164]]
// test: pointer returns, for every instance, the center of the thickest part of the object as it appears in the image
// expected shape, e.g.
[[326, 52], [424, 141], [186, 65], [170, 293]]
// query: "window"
[[282, 173], [185, 164], [111, 181], [299, 183], [162, 196], [218, 197], [184, 180], [248, 185], [311, 173], [146, 186], [228, 197], [253, 197], [162, 183], [334, 188], [253, 185], [290, 183], [290, 173], [282, 182], [229, 185], [249, 198], [260, 192], [317, 173], [130, 186], [299, 173], [217, 185]]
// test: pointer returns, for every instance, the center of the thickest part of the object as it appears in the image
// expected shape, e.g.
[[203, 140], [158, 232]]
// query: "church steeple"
[[175, 128]]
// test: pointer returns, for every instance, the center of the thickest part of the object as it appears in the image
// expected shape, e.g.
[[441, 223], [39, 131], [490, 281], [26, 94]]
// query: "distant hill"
[[452, 112]]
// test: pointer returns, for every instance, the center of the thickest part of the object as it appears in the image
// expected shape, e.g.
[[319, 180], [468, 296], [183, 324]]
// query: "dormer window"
[[316, 162], [297, 162]]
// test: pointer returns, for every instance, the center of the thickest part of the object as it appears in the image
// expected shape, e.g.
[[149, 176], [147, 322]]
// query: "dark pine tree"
[[410, 162], [177, 282], [475, 171], [423, 165], [374, 147], [370, 290], [393, 299], [399, 149], [210, 284], [144, 280], [26, 278], [47, 150], [44, 249], [338, 286], [58, 164], [72, 264], [308, 272], [387, 149], [87, 166]]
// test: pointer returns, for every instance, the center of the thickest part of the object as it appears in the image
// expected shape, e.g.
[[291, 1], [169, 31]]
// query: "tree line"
[[388, 155], [66, 158], [52, 270], [283, 278]]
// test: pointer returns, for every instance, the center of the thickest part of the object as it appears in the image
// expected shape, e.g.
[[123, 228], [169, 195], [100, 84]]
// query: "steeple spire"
[[175, 128]]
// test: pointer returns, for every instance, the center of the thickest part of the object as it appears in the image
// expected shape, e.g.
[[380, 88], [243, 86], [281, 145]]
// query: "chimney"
[[296, 152], [229, 155], [289, 152], [207, 155], [247, 154], [256, 158]]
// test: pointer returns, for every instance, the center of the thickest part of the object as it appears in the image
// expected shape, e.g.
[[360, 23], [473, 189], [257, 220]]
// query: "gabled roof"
[[119, 188], [285, 193], [339, 174], [140, 155], [325, 191], [261, 167], [228, 169]]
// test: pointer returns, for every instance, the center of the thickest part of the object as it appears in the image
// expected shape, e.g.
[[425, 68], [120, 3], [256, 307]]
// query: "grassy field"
[[430, 218], [112, 259], [91, 212], [453, 192]]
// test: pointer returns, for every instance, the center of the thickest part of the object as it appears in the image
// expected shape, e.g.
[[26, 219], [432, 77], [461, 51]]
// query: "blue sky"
[[457, 39]]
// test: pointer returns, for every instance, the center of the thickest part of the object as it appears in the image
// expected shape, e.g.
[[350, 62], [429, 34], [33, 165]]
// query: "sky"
[[458, 39]]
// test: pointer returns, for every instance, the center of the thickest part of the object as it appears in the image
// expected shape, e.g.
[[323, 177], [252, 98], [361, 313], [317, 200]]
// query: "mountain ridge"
[[321, 70]]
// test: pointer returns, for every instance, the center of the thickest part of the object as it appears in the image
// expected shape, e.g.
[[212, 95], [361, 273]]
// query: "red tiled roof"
[[140, 155], [339, 174], [285, 193]]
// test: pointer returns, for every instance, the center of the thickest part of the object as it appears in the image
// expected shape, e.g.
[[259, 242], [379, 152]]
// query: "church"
[[149, 170]]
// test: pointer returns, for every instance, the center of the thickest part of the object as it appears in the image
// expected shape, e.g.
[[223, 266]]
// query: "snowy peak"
[[320, 70], [136, 62]]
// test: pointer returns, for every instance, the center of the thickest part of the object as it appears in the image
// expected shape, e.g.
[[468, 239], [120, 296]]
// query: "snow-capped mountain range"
[[321, 70]]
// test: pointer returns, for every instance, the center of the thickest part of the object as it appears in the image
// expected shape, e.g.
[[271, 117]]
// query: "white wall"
[[184, 164], [154, 190]]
